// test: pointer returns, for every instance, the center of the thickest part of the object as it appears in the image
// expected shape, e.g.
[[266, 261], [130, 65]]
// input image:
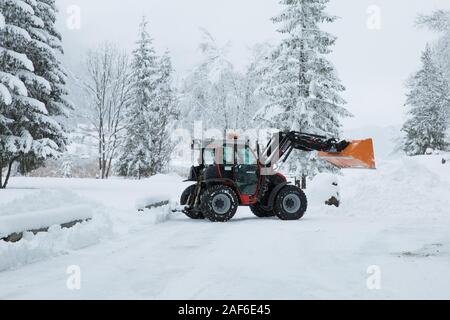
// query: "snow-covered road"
[[395, 220]]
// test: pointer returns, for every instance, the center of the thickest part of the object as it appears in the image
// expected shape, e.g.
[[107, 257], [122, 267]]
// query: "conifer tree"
[[28, 128], [147, 147], [428, 103], [302, 84], [164, 112]]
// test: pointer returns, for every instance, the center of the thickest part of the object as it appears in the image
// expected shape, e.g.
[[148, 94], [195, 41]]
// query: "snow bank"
[[151, 200], [36, 220], [55, 242], [321, 189], [158, 215], [399, 186], [50, 208]]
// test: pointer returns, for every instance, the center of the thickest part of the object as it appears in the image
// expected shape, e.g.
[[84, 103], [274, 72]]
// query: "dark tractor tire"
[[219, 203], [262, 212], [291, 203], [184, 201]]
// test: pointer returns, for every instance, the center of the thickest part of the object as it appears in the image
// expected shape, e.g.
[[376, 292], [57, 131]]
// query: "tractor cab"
[[232, 161]]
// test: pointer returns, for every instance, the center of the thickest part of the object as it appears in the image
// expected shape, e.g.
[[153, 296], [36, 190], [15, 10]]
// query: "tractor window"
[[246, 156], [208, 155], [228, 155]]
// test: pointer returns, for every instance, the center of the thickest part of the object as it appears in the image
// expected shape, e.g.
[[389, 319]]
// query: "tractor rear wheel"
[[219, 203], [290, 203], [184, 201], [261, 211]]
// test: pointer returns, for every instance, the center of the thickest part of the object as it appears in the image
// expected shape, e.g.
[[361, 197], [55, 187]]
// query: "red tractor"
[[231, 174]]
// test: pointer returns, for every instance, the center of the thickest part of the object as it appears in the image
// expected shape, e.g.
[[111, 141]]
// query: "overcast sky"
[[372, 63]]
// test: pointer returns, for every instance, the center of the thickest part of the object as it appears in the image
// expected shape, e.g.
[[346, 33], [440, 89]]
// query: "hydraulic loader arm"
[[343, 154]]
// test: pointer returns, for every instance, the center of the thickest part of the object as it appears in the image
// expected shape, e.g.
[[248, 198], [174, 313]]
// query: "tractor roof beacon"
[[231, 174]]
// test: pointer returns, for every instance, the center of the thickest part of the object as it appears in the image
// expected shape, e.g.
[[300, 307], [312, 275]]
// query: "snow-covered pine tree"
[[302, 84], [164, 110], [439, 21], [26, 127], [16, 18], [47, 83], [428, 103], [137, 154]]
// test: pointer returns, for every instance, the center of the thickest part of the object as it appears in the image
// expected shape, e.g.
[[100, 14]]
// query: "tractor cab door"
[[246, 171]]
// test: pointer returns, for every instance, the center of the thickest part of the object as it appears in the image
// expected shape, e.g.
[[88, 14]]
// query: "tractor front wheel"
[[190, 192], [291, 203], [219, 203]]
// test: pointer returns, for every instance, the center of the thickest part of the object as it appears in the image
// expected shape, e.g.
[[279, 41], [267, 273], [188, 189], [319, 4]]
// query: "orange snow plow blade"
[[358, 155]]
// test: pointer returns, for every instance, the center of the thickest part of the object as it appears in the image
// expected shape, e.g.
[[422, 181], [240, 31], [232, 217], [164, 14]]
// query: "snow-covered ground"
[[395, 220]]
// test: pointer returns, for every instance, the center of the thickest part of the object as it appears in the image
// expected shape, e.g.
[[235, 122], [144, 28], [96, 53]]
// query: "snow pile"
[[36, 220], [57, 241], [399, 186], [322, 188], [50, 208], [157, 215], [53, 207]]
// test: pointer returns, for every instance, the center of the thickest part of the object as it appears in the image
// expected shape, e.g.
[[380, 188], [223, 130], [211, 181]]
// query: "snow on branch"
[[437, 21]]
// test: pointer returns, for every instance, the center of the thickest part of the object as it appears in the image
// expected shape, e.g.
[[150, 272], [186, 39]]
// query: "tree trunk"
[[1, 175], [8, 174], [99, 155], [108, 171], [111, 155]]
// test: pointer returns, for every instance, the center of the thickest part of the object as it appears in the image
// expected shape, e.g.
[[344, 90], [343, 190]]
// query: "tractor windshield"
[[246, 156]]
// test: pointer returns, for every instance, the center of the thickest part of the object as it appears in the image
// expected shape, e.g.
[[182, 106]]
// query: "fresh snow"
[[31, 77], [395, 218], [2, 21], [13, 83], [20, 58], [36, 220], [5, 96], [22, 5], [41, 210], [18, 31], [35, 104]]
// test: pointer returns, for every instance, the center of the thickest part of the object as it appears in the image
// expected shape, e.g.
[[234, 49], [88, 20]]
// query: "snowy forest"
[[97, 148], [131, 103]]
